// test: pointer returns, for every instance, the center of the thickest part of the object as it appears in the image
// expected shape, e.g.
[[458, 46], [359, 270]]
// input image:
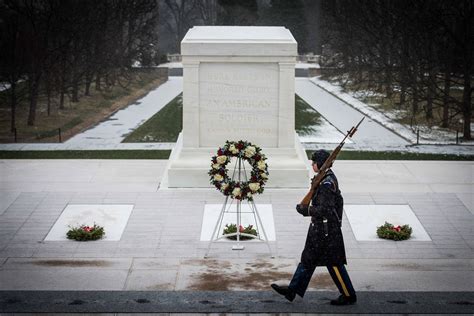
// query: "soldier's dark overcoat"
[[321, 250]]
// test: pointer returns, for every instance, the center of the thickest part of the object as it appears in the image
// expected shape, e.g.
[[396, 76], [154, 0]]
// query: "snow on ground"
[[324, 133], [370, 136], [114, 129], [171, 65], [435, 135], [307, 65], [4, 86]]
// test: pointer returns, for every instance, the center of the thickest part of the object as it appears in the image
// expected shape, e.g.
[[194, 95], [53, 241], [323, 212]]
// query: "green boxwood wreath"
[[243, 190], [388, 231], [85, 233]]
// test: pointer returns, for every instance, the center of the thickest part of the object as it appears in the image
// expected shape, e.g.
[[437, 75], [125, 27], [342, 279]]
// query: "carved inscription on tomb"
[[238, 101]]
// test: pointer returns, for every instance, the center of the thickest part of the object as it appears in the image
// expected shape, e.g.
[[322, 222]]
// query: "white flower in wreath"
[[264, 175], [236, 192], [221, 159], [250, 151], [254, 186], [233, 149], [261, 165], [218, 177], [224, 187], [216, 166]]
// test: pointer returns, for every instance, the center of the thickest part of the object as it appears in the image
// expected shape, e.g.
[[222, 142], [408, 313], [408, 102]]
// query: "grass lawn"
[[85, 154], [393, 155], [305, 117], [163, 127], [164, 154]]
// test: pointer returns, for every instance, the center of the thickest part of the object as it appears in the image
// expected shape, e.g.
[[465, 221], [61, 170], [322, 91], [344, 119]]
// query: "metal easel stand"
[[238, 167]]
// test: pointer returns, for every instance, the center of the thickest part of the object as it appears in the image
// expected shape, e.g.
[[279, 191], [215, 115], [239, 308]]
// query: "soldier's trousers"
[[300, 281]]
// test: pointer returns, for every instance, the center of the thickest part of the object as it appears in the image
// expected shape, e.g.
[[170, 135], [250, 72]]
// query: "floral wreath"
[[244, 189]]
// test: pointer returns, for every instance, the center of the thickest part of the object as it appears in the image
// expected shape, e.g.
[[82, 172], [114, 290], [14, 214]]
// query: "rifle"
[[326, 166]]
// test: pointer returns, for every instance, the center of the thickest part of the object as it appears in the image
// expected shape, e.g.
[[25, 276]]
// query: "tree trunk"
[[466, 102], [34, 85], [403, 90], [447, 87], [97, 82], [88, 84], [430, 95], [62, 91], [415, 99], [404, 72], [48, 96], [370, 75], [61, 99], [75, 87], [75, 92], [467, 59], [13, 105], [62, 83], [388, 74], [388, 83]]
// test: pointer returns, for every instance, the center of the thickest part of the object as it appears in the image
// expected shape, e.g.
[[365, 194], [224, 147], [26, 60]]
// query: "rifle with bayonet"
[[326, 166]]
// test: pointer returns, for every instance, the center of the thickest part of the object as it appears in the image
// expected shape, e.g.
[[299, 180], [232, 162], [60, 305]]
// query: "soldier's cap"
[[319, 157]]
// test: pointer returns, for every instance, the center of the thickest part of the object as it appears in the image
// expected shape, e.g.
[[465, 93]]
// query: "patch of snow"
[[307, 66], [324, 133], [4, 86], [171, 65], [427, 135]]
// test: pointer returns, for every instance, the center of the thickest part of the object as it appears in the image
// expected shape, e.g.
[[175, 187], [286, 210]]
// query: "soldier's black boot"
[[344, 300], [285, 291]]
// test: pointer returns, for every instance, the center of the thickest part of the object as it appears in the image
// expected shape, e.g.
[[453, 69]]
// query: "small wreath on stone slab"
[[84, 233], [232, 229], [240, 190], [388, 231]]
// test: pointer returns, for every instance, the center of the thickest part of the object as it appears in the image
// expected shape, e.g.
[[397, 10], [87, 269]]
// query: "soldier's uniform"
[[324, 243]]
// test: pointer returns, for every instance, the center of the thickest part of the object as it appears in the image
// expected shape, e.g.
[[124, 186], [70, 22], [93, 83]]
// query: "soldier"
[[324, 243]]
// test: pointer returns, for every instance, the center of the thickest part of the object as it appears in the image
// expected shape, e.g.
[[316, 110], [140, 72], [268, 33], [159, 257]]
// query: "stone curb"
[[230, 302]]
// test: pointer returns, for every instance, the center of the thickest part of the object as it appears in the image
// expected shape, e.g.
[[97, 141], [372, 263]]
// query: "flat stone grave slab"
[[211, 215], [365, 219], [113, 217]]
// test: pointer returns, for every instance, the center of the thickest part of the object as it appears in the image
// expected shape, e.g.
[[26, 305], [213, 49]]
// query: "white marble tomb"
[[238, 84]]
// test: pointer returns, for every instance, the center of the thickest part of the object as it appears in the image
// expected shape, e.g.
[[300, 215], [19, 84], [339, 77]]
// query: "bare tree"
[[183, 13], [209, 11], [422, 52], [59, 46]]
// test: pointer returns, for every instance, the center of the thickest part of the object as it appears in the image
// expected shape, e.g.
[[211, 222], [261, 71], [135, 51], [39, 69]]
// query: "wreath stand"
[[238, 167]]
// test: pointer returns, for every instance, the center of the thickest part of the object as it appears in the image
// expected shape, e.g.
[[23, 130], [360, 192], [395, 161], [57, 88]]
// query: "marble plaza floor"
[[160, 250]]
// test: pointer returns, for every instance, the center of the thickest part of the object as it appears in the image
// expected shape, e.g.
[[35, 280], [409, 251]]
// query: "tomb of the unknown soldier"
[[238, 84]]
